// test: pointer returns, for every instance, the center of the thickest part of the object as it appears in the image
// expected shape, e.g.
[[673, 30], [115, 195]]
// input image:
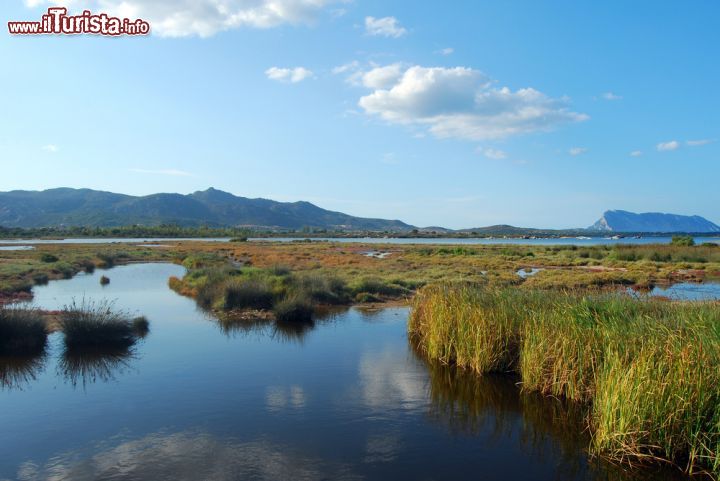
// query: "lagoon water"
[[110, 240], [577, 241], [582, 241], [689, 291], [347, 398]]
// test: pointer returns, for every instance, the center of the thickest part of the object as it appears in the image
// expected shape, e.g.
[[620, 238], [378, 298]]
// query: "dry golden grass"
[[407, 265]]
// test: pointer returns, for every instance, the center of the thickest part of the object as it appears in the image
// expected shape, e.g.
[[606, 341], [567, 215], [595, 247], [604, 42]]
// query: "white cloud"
[[52, 148], [611, 96], [384, 27], [293, 75], [348, 67], [636, 153], [495, 154], [577, 151], [668, 146], [181, 18], [372, 76], [697, 143], [462, 103], [171, 172], [382, 77], [446, 51], [389, 158]]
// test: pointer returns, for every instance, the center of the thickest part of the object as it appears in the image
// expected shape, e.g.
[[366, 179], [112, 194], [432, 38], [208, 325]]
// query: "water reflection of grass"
[[282, 331], [92, 364], [98, 343], [18, 371], [495, 406], [291, 331], [649, 370], [262, 323]]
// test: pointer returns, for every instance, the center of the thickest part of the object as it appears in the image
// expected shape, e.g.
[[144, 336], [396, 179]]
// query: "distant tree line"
[[126, 231], [173, 230]]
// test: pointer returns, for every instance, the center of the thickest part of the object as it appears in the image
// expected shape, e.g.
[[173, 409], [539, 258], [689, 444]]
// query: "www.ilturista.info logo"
[[57, 22]]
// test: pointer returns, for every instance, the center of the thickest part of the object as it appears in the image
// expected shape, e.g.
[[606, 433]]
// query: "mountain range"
[[211, 207], [65, 207]]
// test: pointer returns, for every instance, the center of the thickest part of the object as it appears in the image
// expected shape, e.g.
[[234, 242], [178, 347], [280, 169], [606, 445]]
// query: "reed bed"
[[22, 332], [98, 325], [290, 297], [649, 371]]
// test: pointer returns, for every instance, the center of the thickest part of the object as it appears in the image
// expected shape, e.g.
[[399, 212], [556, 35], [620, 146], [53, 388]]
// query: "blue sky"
[[460, 114]]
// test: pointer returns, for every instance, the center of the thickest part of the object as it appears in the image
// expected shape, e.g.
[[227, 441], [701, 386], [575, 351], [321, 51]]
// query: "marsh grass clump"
[[48, 258], [280, 270], [87, 266], [274, 290], [366, 298], [660, 398], [106, 259], [294, 310], [469, 326], [22, 332], [141, 327], [203, 260], [247, 294], [648, 370], [40, 279], [206, 285], [91, 325], [682, 240], [322, 289], [681, 250], [379, 287]]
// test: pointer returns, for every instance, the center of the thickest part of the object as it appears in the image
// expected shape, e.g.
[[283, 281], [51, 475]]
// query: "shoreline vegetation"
[[277, 292], [648, 371], [408, 266], [24, 331], [241, 234], [21, 270]]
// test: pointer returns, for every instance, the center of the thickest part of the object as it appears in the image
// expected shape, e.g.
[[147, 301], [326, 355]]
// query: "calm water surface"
[[584, 241], [346, 398], [110, 240], [689, 291], [367, 240]]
